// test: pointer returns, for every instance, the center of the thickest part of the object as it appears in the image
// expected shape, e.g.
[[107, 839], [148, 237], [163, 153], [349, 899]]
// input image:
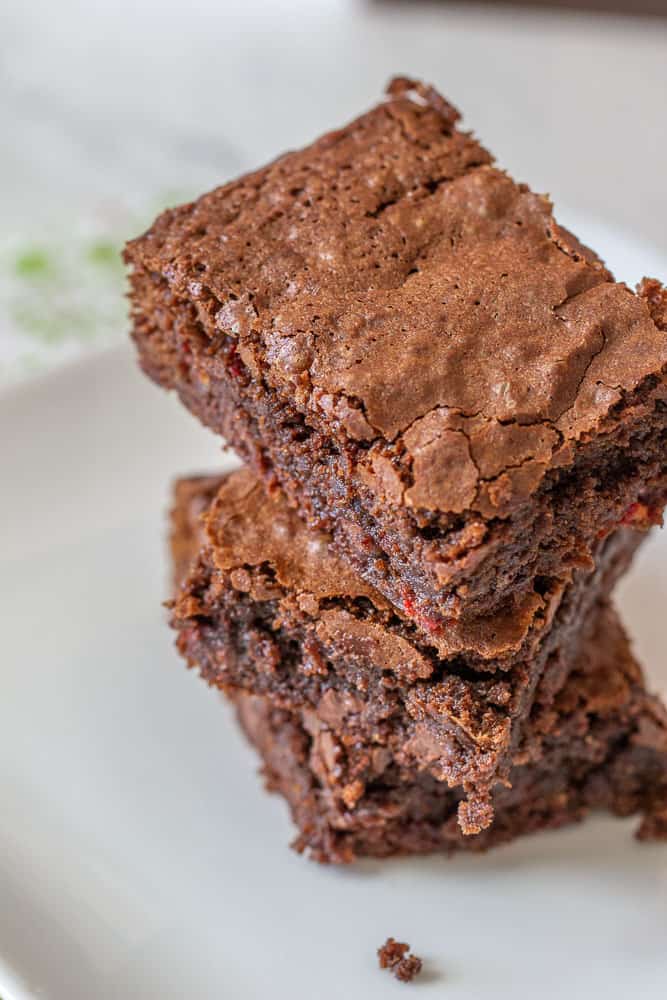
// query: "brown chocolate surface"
[[406, 340], [268, 607], [602, 745], [396, 284]]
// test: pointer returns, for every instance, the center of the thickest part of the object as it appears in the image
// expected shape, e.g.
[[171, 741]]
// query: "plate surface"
[[139, 856]]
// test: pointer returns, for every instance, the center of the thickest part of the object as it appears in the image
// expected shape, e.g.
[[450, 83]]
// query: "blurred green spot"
[[104, 253], [33, 264]]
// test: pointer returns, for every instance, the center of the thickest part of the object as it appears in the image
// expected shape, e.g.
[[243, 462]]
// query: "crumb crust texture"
[[603, 746], [266, 606]]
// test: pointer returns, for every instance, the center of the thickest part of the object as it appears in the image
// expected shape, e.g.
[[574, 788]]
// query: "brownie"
[[602, 746], [267, 606], [395, 955], [404, 339], [192, 498]]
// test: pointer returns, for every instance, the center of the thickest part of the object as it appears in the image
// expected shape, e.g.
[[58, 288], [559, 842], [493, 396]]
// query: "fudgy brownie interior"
[[267, 606], [601, 745]]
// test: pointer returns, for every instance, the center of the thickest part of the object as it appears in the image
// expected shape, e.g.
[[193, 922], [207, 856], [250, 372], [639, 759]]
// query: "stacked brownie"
[[454, 424]]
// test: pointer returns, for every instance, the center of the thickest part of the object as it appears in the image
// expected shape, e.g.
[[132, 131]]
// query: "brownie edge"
[[606, 749]]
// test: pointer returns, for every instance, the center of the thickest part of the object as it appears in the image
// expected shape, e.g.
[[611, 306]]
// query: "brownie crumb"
[[475, 816], [654, 824], [394, 955]]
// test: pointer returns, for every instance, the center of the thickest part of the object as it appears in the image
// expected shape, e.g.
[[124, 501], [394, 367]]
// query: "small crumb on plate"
[[394, 955]]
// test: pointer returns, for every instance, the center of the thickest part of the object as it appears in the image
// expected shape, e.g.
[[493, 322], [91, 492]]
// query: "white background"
[[139, 858], [118, 96]]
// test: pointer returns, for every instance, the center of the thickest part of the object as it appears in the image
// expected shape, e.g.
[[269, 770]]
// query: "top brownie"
[[403, 338]]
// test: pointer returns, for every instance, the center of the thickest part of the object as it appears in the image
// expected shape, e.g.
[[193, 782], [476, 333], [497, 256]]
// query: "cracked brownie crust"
[[267, 606], [403, 337], [602, 745]]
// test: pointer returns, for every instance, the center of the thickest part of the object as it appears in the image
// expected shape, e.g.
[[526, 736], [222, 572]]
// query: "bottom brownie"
[[265, 606], [602, 745]]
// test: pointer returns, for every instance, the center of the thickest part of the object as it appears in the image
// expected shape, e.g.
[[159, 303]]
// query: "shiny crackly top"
[[404, 293]]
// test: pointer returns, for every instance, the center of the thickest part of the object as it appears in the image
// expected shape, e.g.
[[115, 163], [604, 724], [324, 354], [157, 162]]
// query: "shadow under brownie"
[[266, 605], [432, 369]]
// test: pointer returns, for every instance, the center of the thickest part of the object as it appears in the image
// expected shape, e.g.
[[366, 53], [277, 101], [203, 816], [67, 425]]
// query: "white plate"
[[139, 856]]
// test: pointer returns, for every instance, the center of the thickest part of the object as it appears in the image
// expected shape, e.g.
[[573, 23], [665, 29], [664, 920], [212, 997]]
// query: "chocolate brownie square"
[[603, 745], [268, 607], [433, 370]]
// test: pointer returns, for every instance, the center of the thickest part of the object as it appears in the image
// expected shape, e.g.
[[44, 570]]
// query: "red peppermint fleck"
[[642, 514], [409, 602], [633, 513], [424, 621], [431, 624], [234, 363]]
